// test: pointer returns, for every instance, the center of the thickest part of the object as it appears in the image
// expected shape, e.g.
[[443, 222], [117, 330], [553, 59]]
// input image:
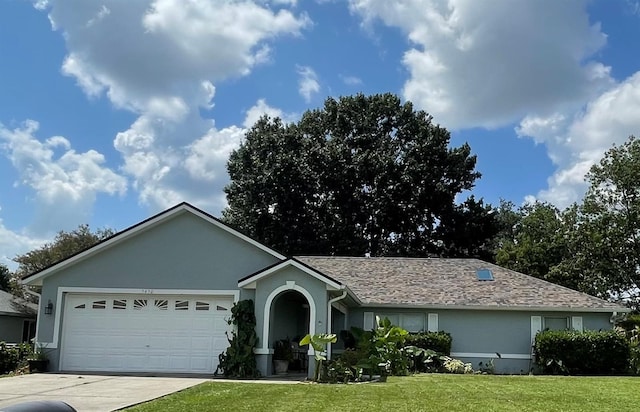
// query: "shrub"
[[452, 365], [582, 353], [436, 341], [634, 341], [434, 347], [12, 357], [630, 322]]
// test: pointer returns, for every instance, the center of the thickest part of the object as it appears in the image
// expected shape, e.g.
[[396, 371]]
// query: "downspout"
[[329, 307]]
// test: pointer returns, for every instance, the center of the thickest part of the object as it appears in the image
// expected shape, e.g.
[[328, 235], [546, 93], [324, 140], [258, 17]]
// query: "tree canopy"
[[63, 245], [611, 222], [363, 174], [593, 247], [5, 278]]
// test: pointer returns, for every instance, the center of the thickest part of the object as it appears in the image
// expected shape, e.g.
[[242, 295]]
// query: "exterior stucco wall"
[[11, 329], [289, 278], [182, 253], [485, 333]]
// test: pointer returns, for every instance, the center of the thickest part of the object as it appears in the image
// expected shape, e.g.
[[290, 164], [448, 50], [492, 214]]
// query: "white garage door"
[[144, 333]]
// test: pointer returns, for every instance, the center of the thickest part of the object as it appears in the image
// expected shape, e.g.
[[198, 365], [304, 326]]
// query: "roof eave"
[[496, 308], [36, 278], [249, 282]]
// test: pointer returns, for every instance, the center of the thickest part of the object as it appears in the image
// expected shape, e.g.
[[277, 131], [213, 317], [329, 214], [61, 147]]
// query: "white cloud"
[[161, 60], [473, 65], [13, 244], [261, 108], [65, 182], [351, 80], [258, 110], [308, 84], [517, 61], [576, 143]]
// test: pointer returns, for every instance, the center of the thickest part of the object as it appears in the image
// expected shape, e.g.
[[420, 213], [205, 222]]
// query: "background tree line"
[[371, 175]]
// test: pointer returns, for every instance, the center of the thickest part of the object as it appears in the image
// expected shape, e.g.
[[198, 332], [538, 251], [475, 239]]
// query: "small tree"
[[319, 344]]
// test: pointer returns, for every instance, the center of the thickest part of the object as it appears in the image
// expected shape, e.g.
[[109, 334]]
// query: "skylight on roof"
[[484, 274]]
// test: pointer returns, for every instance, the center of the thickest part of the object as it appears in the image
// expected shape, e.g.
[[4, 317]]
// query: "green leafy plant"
[[488, 367], [319, 344], [40, 352], [427, 349], [239, 360]]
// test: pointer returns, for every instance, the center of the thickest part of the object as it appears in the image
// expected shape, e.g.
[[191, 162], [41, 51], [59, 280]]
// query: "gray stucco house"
[[156, 296], [17, 319]]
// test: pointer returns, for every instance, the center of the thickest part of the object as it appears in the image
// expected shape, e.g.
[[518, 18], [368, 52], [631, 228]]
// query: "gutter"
[[329, 307]]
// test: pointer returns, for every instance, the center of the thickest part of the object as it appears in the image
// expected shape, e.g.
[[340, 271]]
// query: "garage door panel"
[[140, 333]]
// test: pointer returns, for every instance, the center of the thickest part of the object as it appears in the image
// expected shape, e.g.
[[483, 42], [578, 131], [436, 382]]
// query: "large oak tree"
[[363, 174]]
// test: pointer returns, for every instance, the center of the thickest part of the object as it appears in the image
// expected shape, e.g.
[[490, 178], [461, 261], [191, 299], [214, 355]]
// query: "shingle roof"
[[448, 282], [13, 306]]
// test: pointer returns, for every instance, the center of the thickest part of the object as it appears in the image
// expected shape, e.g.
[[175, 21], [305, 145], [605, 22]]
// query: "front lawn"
[[417, 393]]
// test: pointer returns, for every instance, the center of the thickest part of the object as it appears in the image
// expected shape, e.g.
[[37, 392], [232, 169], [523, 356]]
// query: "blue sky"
[[111, 111]]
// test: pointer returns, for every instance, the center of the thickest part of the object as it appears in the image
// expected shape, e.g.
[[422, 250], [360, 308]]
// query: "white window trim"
[[432, 322], [368, 321]]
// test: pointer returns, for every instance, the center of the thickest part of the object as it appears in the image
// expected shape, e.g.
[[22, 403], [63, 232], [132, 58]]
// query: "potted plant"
[[282, 355], [38, 361]]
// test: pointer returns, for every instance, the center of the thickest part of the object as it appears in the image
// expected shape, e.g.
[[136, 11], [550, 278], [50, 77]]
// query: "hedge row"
[[436, 341], [582, 353]]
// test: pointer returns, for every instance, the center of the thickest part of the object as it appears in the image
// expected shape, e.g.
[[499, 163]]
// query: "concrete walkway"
[[90, 392]]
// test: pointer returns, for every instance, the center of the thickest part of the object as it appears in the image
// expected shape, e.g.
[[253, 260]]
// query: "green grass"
[[417, 393]]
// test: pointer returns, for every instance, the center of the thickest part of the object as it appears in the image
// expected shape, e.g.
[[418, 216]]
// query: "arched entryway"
[[290, 315]]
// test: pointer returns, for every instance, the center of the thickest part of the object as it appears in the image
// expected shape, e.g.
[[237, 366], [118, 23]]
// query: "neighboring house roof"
[[11, 305], [36, 278], [446, 283]]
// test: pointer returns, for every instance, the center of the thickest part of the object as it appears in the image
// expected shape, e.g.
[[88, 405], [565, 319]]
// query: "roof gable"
[[249, 281], [450, 283], [160, 218]]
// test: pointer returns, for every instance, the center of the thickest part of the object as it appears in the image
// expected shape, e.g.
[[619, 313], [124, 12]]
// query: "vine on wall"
[[239, 361]]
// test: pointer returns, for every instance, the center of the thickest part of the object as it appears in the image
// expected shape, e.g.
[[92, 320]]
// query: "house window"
[[555, 323], [99, 304], [412, 322], [119, 304], [218, 307], [162, 304], [139, 304], [81, 306], [182, 305], [28, 330]]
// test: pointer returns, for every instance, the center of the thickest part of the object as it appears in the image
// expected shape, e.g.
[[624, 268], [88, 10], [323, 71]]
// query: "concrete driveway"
[[89, 392]]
